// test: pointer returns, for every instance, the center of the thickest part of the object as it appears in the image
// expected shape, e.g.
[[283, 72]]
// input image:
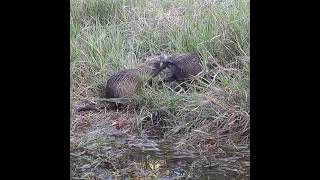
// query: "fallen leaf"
[[119, 123]]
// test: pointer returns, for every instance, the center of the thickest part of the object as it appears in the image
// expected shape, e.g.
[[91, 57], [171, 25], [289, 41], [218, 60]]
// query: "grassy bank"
[[109, 35]]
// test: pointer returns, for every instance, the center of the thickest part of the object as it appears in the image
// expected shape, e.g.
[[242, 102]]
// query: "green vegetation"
[[110, 35]]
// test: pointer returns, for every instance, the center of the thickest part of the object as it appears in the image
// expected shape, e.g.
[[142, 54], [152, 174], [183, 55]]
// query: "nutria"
[[182, 67], [124, 83]]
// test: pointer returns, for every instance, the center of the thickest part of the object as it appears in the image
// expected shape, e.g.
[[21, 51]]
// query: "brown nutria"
[[182, 67], [124, 83]]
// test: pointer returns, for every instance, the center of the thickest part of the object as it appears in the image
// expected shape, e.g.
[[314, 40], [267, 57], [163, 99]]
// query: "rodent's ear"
[[163, 56]]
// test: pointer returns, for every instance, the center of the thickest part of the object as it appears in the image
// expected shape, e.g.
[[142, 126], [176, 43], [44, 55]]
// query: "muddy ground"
[[103, 146]]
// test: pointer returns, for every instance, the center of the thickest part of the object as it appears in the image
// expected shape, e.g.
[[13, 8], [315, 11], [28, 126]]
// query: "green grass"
[[110, 35]]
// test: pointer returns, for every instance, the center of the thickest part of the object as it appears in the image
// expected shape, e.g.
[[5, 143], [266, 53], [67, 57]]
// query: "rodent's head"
[[167, 61], [156, 67], [158, 64]]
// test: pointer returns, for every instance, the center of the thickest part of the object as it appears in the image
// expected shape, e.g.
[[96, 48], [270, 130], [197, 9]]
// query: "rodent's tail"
[[88, 108]]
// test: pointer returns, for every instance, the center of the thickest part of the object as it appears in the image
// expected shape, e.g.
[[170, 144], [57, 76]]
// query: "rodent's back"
[[122, 83], [126, 82]]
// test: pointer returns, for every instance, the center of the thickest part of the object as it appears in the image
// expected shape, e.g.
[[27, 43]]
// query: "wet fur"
[[124, 83], [182, 67]]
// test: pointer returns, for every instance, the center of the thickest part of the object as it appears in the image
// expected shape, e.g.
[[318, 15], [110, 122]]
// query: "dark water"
[[144, 158], [177, 164]]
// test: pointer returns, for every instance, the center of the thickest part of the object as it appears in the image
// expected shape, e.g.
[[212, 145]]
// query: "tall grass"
[[109, 35]]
